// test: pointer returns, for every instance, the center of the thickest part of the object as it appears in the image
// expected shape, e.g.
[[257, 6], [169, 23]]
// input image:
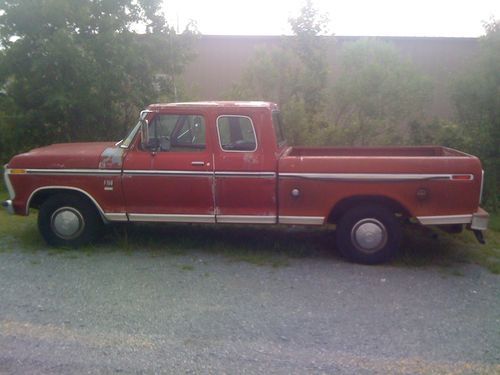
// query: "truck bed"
[[409, 151]]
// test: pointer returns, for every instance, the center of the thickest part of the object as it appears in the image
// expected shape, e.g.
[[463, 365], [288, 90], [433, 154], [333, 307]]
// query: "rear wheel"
[[368, 234], [68, 220]]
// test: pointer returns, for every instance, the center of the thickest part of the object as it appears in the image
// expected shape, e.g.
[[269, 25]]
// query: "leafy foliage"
[[476, 130], [294, 75], [375, 96], [75, 70], [371, 99], [477, 98]]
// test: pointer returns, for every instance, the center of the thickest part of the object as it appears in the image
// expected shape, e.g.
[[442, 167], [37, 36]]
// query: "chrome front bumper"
[[12, 194], [8, 206]]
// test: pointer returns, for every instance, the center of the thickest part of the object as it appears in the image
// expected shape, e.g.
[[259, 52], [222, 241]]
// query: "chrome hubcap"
[[67, 223], [369, 235]]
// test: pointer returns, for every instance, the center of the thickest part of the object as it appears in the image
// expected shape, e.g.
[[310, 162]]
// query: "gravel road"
[[202, 313]]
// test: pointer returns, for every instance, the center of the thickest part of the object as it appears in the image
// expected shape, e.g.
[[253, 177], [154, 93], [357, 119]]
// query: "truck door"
[[245, 182], [171, 179]]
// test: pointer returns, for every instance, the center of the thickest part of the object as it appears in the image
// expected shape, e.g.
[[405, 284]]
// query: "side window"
[[177, 133], [236, 133], [278, 129]]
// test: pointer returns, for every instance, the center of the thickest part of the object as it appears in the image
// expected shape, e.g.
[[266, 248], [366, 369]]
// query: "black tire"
[[68, 220], [369, 234]]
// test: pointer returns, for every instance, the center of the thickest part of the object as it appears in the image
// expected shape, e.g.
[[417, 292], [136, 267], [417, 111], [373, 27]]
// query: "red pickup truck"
[[228, 162]]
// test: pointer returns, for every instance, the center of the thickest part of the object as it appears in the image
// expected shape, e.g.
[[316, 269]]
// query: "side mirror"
[[144, 134]]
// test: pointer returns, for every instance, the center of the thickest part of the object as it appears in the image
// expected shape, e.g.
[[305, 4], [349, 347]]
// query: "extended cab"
[[228, 162]]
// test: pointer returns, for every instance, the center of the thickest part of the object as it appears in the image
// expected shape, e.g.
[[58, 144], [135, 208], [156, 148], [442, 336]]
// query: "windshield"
[[126, 142]]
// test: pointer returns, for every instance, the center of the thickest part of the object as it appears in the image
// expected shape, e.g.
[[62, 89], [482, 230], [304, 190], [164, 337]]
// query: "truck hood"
[[88, 155]]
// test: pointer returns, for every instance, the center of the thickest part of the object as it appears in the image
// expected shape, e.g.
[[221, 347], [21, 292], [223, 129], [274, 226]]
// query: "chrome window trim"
[[246, 219], [376, 176], [171, 218], [444, 220], [301, 220], [8, 183], [253, 128]]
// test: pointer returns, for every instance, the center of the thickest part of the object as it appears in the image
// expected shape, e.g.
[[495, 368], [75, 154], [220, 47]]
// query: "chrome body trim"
[[373, 176], [481, 188], [101, 211], [172, 218], [116, 216], [66, 172], [246, 219], [444, 220], [148, 172], [245, 174], [301, 220], [8, 184]]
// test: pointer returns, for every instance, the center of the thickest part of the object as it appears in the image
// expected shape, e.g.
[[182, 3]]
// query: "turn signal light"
[[17, 171], [465, 177]]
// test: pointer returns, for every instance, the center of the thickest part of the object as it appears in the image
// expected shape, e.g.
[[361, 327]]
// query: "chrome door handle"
[[198, 163]]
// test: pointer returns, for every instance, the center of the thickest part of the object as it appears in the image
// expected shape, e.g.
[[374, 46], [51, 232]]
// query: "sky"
[[447, 18]]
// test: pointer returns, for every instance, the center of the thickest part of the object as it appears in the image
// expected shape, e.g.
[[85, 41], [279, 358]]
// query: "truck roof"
[[215, 104]]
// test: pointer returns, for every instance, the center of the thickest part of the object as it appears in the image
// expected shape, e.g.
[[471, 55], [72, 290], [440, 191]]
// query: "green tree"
[[477, 98], [77, 70], [294, 74], [375, 96]]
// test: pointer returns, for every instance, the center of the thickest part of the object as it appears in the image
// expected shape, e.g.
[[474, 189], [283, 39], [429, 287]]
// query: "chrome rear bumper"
[[477, 221], [480, 220]]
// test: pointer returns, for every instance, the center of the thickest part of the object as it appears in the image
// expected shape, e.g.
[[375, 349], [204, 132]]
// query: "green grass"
[[262, 246], [186, 267], [425, 246], [256, 245]]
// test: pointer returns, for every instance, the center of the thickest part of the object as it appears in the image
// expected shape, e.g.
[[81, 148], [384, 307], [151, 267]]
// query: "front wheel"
[[68, 220], [368, 234]]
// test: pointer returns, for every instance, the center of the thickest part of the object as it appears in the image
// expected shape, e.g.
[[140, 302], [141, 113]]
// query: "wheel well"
[[42, 195], [347, 203]]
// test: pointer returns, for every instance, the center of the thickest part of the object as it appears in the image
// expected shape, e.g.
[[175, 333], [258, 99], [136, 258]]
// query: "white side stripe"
[[172, 218], [302, 220], [246, 219], [443, 220]]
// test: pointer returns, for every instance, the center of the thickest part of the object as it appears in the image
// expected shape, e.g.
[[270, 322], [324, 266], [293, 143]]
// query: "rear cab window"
[[278, 129], [236, 133]]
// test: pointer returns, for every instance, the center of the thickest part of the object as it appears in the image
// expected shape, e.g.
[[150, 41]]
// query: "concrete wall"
[[220, 61]]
